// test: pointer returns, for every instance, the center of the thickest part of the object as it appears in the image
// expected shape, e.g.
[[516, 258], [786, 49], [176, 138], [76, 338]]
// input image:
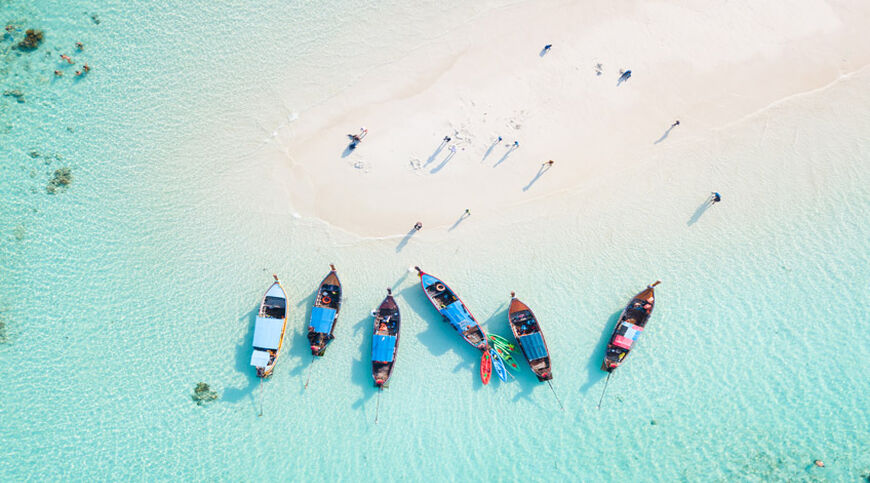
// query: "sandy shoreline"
[[707, 68]]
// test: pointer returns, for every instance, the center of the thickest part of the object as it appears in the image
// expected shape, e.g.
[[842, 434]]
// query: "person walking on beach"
[[467, 213], [715, 197], [356, 138], [676, 123], [447, 139], [418, 226], [516, 144], [547, 48], [549, 163]]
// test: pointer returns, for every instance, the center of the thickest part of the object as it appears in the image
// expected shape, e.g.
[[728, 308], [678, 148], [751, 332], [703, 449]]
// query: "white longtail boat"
[[269, 329]]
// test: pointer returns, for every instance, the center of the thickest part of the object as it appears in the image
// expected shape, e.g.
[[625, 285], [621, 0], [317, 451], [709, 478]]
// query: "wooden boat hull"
[[529, 336], [324, 314], [387, 325], [271, 320], [453, 310], [630, 325]]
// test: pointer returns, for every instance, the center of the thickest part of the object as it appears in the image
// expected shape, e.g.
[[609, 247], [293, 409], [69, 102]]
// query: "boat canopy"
[[322, 319], [383, 347], [458, 316], [267, 332], [533, 345], [260, 358], [627, 334]]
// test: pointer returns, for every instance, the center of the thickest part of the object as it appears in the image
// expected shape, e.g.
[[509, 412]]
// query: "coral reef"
[[32, 39], [18, 95], [203, 394], [59, 182]]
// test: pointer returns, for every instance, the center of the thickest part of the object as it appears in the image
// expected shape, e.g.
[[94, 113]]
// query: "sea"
[[131, 271]]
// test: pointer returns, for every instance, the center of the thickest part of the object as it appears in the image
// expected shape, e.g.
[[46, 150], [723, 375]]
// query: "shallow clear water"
[[118, 295]]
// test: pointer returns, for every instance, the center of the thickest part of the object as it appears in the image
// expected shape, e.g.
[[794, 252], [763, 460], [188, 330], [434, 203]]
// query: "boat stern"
[[609, 365]]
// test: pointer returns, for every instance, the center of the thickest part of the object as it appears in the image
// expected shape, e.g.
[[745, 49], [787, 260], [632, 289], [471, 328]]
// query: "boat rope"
[[378, 404], [605, 389], [557, 396], [313, 358], [261, 397]]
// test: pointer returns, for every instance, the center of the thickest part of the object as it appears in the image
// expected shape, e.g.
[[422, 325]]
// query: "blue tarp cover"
[[260, 358], [322, 319], [458, 316], [382, 348], [267, 332], [533, 346]]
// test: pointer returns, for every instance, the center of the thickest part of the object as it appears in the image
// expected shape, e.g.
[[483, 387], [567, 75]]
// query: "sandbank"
[[706, 65]]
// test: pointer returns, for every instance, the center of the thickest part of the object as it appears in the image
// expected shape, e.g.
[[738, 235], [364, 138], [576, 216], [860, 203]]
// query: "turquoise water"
[[141, 279]]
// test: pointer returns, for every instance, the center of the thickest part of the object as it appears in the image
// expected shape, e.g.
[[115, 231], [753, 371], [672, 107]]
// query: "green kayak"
[[500, 341]]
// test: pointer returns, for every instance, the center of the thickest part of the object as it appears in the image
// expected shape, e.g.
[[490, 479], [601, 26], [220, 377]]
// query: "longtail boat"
[[324, 313], [269, 329], [385, 339], [453, 310], [527, 332], [629, 327]]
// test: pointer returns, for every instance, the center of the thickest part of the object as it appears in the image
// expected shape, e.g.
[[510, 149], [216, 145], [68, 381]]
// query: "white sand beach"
[[706, 65]]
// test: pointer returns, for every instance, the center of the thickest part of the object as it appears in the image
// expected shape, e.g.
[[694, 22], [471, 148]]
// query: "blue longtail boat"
[[324, 313], [453, 310], [385, 339], [269, 329], [527, 332]]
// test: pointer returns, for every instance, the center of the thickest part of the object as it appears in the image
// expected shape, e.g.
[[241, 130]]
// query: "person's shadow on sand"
[[460, 220], [434, 155], [665, 135], [489, 149], [405, 240], [700, 211], [443, 163], [544, 169], [503, 158]]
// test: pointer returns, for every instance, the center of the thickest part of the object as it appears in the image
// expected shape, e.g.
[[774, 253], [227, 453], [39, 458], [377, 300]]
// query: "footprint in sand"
[[361, 166]]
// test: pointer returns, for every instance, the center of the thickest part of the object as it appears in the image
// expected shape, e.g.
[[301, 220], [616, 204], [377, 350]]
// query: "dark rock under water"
[[202, 394], [18, 95], [32, 39], [60, 180]]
